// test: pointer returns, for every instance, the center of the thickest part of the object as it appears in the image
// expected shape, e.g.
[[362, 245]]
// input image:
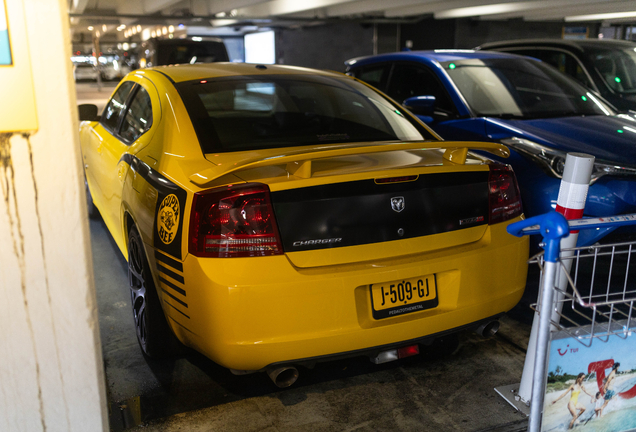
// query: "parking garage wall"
[[324, 47], [472, 33], [429, 34], [328, 46]]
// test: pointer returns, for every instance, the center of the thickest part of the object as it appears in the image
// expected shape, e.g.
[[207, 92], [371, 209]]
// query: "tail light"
[[234, 221], [504, 196]]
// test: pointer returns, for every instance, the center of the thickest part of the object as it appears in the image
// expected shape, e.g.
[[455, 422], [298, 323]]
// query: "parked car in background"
[[540, 113], [84, 71], [189, 50], [605, 66], [278, 216], [114, 71]]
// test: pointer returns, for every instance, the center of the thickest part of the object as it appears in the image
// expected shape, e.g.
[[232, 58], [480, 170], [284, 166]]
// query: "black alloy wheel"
[[153, 334]]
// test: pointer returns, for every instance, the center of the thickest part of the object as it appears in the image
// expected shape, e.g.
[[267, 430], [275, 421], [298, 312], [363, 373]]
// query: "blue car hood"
[[611, 138]]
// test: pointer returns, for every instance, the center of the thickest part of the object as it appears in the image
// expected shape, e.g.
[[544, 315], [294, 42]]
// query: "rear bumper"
[[249, 313], [374, 351]]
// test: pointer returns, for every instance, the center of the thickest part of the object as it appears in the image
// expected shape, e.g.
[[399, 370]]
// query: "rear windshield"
[[260, 112]]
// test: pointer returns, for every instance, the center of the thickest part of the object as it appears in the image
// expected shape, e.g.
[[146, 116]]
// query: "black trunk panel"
[[361, 212]]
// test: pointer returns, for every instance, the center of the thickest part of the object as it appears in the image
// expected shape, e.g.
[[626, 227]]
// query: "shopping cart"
[[588, 312]]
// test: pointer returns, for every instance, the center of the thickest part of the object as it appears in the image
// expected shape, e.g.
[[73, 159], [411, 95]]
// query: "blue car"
[[538, 112]]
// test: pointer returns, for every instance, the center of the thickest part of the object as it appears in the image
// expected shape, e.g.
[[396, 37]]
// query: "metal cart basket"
[[599, 298]]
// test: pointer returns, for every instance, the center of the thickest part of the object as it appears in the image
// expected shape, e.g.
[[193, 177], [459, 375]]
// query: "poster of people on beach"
[[591, 389]]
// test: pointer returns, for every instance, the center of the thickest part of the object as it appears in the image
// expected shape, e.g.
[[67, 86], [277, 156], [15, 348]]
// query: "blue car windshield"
[[519, 88], [617, 68], [271, 111]]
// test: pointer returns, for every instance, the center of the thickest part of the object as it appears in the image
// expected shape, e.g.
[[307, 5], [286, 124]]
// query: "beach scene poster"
[[5, 46], [591, 389]]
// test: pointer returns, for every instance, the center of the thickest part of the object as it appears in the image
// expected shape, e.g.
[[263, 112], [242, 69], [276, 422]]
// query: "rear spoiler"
[[299, 163]]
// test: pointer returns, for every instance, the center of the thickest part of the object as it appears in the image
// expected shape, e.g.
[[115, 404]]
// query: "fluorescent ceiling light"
[[601, 17], [481, 10], [223, 22]]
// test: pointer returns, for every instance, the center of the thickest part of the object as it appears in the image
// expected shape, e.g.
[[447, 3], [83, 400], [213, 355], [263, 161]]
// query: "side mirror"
[[420, 105], [88, 112]]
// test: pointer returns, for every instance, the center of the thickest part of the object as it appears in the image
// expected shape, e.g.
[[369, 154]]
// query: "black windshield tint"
[[521, 88], [246, 113]]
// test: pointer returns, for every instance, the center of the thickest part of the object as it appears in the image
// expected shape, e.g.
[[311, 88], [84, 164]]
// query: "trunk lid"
[[342, 207], [376, 211]]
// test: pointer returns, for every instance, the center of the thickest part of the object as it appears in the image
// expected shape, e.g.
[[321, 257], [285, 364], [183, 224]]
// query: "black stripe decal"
[[126, 157], [363, 212], [169, 261], [147, 173], [173, 286], [174, 298], [176, 310], [170, 273], [169, 242]]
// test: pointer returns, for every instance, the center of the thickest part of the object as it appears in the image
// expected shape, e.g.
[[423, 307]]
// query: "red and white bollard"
[[570, 203], [575, 184]]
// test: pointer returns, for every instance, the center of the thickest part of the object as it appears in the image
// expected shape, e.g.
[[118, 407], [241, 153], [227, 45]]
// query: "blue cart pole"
[[553, 227]]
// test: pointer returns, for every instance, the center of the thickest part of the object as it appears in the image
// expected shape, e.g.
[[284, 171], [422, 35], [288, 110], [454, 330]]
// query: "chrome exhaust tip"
[[488, 329], [283, 376]]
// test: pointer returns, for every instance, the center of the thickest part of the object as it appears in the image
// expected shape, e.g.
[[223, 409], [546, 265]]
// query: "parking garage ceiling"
[[114, 15]]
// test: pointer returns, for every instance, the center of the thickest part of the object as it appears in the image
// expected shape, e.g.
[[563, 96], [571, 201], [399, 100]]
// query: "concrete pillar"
[[51, 367]]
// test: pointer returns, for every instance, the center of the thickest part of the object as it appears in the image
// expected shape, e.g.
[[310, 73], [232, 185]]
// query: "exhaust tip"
[[283, 376], [488, 329]]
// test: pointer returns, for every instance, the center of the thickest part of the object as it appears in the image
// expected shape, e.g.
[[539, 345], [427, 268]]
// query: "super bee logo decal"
[[168, 218]]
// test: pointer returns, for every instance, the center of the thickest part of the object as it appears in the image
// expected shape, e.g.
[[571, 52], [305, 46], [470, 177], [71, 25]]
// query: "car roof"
[[431, 56], [188, 72], [183, 41], [573, 44]]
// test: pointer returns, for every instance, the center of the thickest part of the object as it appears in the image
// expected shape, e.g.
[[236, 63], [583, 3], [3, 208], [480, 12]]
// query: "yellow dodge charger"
[[278, 216]]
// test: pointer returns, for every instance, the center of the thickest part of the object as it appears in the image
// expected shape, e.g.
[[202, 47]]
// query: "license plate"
[[403, 296]]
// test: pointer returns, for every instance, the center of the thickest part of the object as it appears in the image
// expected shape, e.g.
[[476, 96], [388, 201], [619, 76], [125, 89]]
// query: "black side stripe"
[[173, 286], [176, 309], [126, 157], [174, 298], [170, 273], [169, 261], [147, 173]]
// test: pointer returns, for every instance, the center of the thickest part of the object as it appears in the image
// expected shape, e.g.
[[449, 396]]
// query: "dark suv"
[[605, 66], [163, 51]]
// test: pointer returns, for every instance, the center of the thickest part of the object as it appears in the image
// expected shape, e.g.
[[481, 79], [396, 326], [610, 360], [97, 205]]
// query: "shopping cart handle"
[[551, 225]]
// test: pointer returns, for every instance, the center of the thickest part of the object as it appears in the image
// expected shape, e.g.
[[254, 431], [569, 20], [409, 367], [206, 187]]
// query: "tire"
[[93, 213], [153, 334]]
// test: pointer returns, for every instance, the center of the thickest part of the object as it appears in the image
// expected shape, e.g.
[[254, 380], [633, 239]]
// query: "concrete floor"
[[448, 387]]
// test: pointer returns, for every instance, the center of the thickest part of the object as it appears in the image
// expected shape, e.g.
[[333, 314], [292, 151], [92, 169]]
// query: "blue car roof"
[[430, 56]]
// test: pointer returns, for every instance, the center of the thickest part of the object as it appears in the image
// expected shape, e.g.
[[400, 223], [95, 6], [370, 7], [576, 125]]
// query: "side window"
[[138, 118], [375, 75], [564, 62], [115, 106], [408, 80]]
